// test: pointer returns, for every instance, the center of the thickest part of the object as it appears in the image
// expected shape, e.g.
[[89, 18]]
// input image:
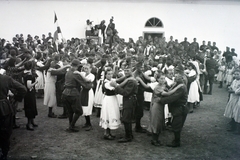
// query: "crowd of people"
[[116, 78]]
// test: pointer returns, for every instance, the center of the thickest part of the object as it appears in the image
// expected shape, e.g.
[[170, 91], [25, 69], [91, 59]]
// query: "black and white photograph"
[[119, 79]]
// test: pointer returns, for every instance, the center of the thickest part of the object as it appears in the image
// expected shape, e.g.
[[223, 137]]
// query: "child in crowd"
[[229, 74], [221, 74], [233, 106]]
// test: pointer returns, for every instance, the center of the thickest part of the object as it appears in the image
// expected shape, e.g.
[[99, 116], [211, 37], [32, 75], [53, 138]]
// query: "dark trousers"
[[5, 133], [210, 79], [139, 110]]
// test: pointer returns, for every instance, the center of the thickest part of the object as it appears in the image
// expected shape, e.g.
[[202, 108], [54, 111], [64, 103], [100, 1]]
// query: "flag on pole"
[[57, 37]]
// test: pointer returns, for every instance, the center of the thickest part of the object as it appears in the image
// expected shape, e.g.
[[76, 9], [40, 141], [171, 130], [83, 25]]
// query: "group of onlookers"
[[119, 79]]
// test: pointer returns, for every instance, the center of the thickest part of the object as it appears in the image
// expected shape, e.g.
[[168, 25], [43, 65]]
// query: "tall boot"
[[98, 112], [128, 133], [50, 113], [88, 123], [210, 89], [155, 140], [138, 127], [237, 132], [15, 126], [220, 84], [232, 126], [205, 89], [73, 122], [190, 107], [65, 113], [176, 141]]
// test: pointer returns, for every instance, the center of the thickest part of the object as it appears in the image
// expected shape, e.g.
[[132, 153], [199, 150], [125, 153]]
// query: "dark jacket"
[[73, 82], [6, 84], [177, 101]]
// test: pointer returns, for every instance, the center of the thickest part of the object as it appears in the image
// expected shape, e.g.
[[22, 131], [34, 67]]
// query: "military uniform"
[[129, 91], [6, 110], [177, 106], [71, 97]]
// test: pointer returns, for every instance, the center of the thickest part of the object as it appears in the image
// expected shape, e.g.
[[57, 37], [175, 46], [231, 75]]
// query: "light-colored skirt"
[[232, 107], [193, 95], [110, 114], [40, 80], [50, 94], [120, 101], [147, 96], [98, 95], [87, 110], [220, 76]]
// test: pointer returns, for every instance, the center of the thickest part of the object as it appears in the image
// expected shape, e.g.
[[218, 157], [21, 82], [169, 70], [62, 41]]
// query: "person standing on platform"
[[102, 28]]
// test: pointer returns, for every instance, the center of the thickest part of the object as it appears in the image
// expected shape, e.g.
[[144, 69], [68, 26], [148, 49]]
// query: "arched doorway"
[[154, 28]]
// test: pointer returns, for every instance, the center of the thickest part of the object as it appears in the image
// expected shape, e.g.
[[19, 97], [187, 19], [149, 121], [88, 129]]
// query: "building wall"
[[211, 21]]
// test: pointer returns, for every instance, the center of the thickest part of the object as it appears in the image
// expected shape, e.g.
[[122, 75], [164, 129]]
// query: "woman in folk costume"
[[119, 75], [87, 96], [50, 86], [233, 106], [221, 74], [169, 78], [193, 88], [196, 64], [110, 115], [98, 93], [30, 105], [40, 85], [148, 95], [157, 123], [50, 90]]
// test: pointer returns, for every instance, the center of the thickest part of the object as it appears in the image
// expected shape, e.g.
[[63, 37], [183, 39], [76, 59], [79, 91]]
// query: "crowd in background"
[[42, 61]]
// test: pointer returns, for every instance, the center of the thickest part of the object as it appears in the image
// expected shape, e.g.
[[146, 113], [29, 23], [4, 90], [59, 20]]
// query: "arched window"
[[154, 22]]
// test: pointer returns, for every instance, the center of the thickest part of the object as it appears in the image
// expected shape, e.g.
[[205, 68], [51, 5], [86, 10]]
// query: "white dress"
[[232, 109], [87, 110], [50, 90], [110, 114], [148, 95], [98, 93], [220, 75], [193, 94], [167, 114], [229, 76], [40, 78]]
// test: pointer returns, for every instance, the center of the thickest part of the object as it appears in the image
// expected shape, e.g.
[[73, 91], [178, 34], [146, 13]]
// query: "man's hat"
[[76, 62], [179, 69]]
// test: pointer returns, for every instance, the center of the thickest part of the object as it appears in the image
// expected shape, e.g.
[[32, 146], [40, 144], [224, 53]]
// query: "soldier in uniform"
[[129, 91], [6, 110], [177, 106], [71, 94]]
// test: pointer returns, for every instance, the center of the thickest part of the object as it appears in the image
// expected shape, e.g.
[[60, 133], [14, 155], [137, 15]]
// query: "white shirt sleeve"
[[108, 86]]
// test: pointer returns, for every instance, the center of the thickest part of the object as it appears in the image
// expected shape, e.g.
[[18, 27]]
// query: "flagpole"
[[58, 25]]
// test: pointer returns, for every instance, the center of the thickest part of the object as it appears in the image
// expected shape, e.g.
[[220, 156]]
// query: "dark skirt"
[[59, 90], [30, 106], [84, 97]]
